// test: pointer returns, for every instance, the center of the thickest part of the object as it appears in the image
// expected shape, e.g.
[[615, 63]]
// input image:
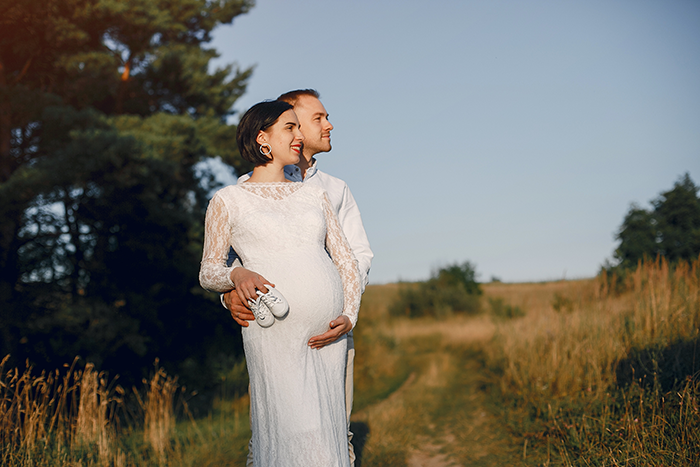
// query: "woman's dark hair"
[[258, 118]]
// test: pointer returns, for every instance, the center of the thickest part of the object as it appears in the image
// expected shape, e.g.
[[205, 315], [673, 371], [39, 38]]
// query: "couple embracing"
[[303, 264]]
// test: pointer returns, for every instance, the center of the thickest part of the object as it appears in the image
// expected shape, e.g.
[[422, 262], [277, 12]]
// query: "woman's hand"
[[247, 282], [339, 326]]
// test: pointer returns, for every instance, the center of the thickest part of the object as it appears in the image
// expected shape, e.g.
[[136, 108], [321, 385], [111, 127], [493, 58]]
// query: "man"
[[316, 128]]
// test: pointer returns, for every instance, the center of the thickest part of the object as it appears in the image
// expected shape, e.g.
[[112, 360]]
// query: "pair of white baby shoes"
[[268, 306]]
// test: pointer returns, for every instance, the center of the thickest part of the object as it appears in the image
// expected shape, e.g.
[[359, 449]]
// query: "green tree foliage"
[[107, 108], [452, 289], [671, 229]]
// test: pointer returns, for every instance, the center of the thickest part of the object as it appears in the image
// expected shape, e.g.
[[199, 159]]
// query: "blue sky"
[[512, 134]]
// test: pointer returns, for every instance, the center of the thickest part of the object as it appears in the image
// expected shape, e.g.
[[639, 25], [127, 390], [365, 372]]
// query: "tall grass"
[[159, 416], [598, 372], [72, 418], [612, 377]]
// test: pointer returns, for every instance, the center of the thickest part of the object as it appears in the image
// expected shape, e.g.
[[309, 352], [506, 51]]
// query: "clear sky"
[[512, 134]]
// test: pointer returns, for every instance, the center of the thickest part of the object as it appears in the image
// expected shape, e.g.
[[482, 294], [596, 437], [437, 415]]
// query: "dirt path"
[[439, 417], [465, 433]]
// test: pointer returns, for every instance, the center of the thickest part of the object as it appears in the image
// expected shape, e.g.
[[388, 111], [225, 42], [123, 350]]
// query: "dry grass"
[[158, 413], [375, 319], [603, 373], [567, 379], [538, 296], [457, 330], [575, 349], [70, 419], [586, 377], [435, 415]]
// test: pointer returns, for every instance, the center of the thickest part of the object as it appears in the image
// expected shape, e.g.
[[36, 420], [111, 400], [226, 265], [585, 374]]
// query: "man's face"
[[315, 126]]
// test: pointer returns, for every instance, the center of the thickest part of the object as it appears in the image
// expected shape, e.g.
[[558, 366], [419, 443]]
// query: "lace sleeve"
[[339, 249], [214, 274]]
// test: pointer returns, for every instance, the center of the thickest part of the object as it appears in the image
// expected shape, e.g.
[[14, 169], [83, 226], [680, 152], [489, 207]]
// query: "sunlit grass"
[[587, 376], [76, 417], [611, 378], [581, 375], [436, 416]]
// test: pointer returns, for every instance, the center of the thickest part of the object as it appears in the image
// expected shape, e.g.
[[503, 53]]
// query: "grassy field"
[[574, 373], [605, 377], [589, 372]]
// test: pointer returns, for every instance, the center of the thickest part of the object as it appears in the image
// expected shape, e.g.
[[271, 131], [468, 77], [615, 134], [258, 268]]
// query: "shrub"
[[561, 303], [452, 289], [502, 310]]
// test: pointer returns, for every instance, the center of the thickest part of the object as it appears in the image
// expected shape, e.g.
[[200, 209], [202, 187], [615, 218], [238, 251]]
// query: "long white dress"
[[285, 232]]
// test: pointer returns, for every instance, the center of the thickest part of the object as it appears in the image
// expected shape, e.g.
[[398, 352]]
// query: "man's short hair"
[[292, 97], [258, 118]]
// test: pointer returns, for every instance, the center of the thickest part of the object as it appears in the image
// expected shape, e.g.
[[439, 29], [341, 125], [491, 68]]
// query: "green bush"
[[452, 289], [560, 303], [502, 310]]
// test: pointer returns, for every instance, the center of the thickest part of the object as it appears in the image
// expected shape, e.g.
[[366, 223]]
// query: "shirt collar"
[[311, 171], [293, 173]]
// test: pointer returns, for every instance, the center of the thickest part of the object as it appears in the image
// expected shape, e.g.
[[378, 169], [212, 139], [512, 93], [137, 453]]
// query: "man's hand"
[[246, 282], [339, 326], [239, 310]]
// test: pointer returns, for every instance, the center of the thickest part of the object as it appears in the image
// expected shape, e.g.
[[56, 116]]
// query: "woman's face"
[[284, 138]]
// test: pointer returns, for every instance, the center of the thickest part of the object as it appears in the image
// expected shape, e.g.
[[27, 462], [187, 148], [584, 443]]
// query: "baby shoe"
[[262, 313], [274, 301]]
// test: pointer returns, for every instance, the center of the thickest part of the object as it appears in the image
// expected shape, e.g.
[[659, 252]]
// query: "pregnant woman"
[[287, 233]]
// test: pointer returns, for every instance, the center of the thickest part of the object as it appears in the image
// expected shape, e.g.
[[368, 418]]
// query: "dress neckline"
[[249, 182], [276, 191]]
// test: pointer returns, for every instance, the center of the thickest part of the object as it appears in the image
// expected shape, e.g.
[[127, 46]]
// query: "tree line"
[[107, 110], [670, 229]]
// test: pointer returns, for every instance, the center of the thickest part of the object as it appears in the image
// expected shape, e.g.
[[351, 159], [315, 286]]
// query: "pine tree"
[[106, 109]]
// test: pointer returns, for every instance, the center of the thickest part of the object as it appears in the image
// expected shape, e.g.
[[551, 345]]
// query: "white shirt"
[[345, 208]]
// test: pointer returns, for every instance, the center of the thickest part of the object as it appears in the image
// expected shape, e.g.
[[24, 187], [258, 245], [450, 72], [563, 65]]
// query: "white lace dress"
[[285, 232]]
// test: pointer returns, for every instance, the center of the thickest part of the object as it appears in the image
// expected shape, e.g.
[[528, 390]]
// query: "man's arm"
[[354, 230], [231, 300]]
